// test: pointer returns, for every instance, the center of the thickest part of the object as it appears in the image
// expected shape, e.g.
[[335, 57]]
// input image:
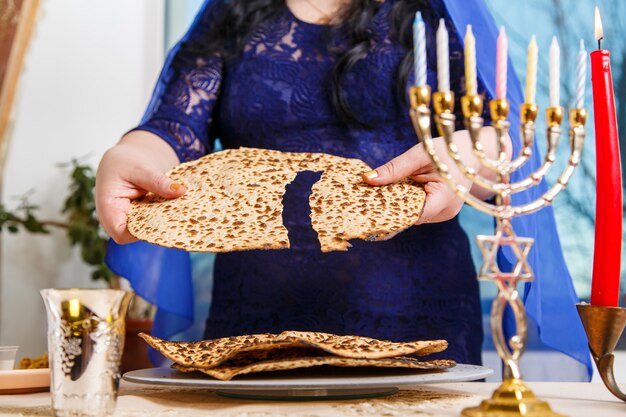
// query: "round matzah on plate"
[[311, 383]]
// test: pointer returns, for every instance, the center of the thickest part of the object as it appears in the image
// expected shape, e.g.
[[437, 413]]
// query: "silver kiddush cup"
[[86, 330]]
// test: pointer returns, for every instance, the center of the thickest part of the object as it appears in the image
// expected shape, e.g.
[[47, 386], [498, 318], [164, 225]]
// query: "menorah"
[[513, 397]]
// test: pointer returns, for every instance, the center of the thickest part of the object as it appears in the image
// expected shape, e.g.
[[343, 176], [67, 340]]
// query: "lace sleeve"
[[182, 107]]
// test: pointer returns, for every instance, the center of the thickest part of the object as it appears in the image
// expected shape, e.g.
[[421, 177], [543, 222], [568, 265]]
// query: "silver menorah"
[[513, 397]]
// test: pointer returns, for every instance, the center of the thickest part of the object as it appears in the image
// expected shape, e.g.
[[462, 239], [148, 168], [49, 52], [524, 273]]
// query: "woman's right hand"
[[128, 170]]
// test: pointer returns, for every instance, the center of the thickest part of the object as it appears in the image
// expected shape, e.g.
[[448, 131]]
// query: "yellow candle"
[[531, 71], [470, 62], [74, 307]]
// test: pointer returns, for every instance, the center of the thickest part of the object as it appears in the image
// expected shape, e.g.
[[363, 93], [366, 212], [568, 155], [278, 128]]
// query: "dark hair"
[[238, 19]]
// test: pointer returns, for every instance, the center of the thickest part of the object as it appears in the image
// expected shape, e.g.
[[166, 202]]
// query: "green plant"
[[82, 226]]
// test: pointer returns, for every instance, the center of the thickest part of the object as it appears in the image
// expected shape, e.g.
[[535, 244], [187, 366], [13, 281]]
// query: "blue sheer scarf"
[[163, 276]]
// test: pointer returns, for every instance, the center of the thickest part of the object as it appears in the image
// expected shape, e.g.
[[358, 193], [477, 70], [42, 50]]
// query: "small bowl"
[[7, 357]]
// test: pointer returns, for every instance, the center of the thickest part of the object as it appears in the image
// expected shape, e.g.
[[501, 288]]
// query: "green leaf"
[[33, 225]]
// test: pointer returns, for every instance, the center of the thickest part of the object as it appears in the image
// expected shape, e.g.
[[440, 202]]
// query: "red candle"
[[608, 234]]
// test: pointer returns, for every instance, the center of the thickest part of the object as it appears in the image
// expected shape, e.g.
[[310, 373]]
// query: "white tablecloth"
[[569, 399]]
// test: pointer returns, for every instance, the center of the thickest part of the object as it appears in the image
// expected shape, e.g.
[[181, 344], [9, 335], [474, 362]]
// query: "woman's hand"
[[441, 202], [129, 170]]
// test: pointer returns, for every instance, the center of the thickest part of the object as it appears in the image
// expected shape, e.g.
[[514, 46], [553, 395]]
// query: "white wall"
[[89, 73]]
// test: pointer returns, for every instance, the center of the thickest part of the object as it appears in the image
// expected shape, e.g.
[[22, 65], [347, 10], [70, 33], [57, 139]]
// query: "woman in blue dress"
[[312, 76]]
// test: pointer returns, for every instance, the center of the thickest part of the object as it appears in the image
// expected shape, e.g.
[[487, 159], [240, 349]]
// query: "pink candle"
[[502, 47]]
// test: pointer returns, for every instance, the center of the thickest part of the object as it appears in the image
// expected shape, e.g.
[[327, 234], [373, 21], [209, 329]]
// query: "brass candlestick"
[[604, 326], [513, 397]]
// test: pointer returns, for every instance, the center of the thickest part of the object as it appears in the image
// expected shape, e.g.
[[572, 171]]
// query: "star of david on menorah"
[[513, 397]]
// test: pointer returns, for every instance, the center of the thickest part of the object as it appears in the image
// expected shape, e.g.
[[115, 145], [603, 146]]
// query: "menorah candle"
[[419, 49], [531, 71], [555, 73], [502, 46], [443, 58], [608, 230], [470, 62], [581, 75]]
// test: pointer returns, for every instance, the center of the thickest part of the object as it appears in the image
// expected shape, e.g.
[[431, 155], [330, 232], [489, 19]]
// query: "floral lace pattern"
[[276, 94]]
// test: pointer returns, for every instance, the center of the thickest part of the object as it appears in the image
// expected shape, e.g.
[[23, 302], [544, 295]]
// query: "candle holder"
[[604, 326], [513, 397]]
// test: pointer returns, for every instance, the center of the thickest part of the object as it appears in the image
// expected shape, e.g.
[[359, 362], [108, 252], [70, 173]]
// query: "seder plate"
[[320, 383]]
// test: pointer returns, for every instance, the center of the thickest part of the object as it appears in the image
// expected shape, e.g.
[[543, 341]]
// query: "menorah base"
[[513, 398]]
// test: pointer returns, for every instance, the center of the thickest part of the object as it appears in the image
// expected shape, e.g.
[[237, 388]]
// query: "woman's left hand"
[[441, 202]]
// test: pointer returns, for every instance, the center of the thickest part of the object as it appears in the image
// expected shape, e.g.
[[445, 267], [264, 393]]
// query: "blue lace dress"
[[419, 285]]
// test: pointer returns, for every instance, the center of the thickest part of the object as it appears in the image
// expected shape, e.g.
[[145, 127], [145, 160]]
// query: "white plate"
[[310, 383], [19, 381]]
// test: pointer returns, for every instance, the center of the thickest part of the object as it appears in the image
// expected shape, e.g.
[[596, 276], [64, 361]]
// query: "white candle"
[[470, 62], [531, 71], [502, 47], [443, 58], [419, 49], [555, 69], [581, 75]]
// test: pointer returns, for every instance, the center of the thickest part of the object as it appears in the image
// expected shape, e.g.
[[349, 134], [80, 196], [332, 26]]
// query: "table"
[[573, 399]]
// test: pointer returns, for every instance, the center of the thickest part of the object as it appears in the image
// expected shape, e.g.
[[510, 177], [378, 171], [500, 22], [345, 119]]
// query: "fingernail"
[[370, 175], [175, 186]]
